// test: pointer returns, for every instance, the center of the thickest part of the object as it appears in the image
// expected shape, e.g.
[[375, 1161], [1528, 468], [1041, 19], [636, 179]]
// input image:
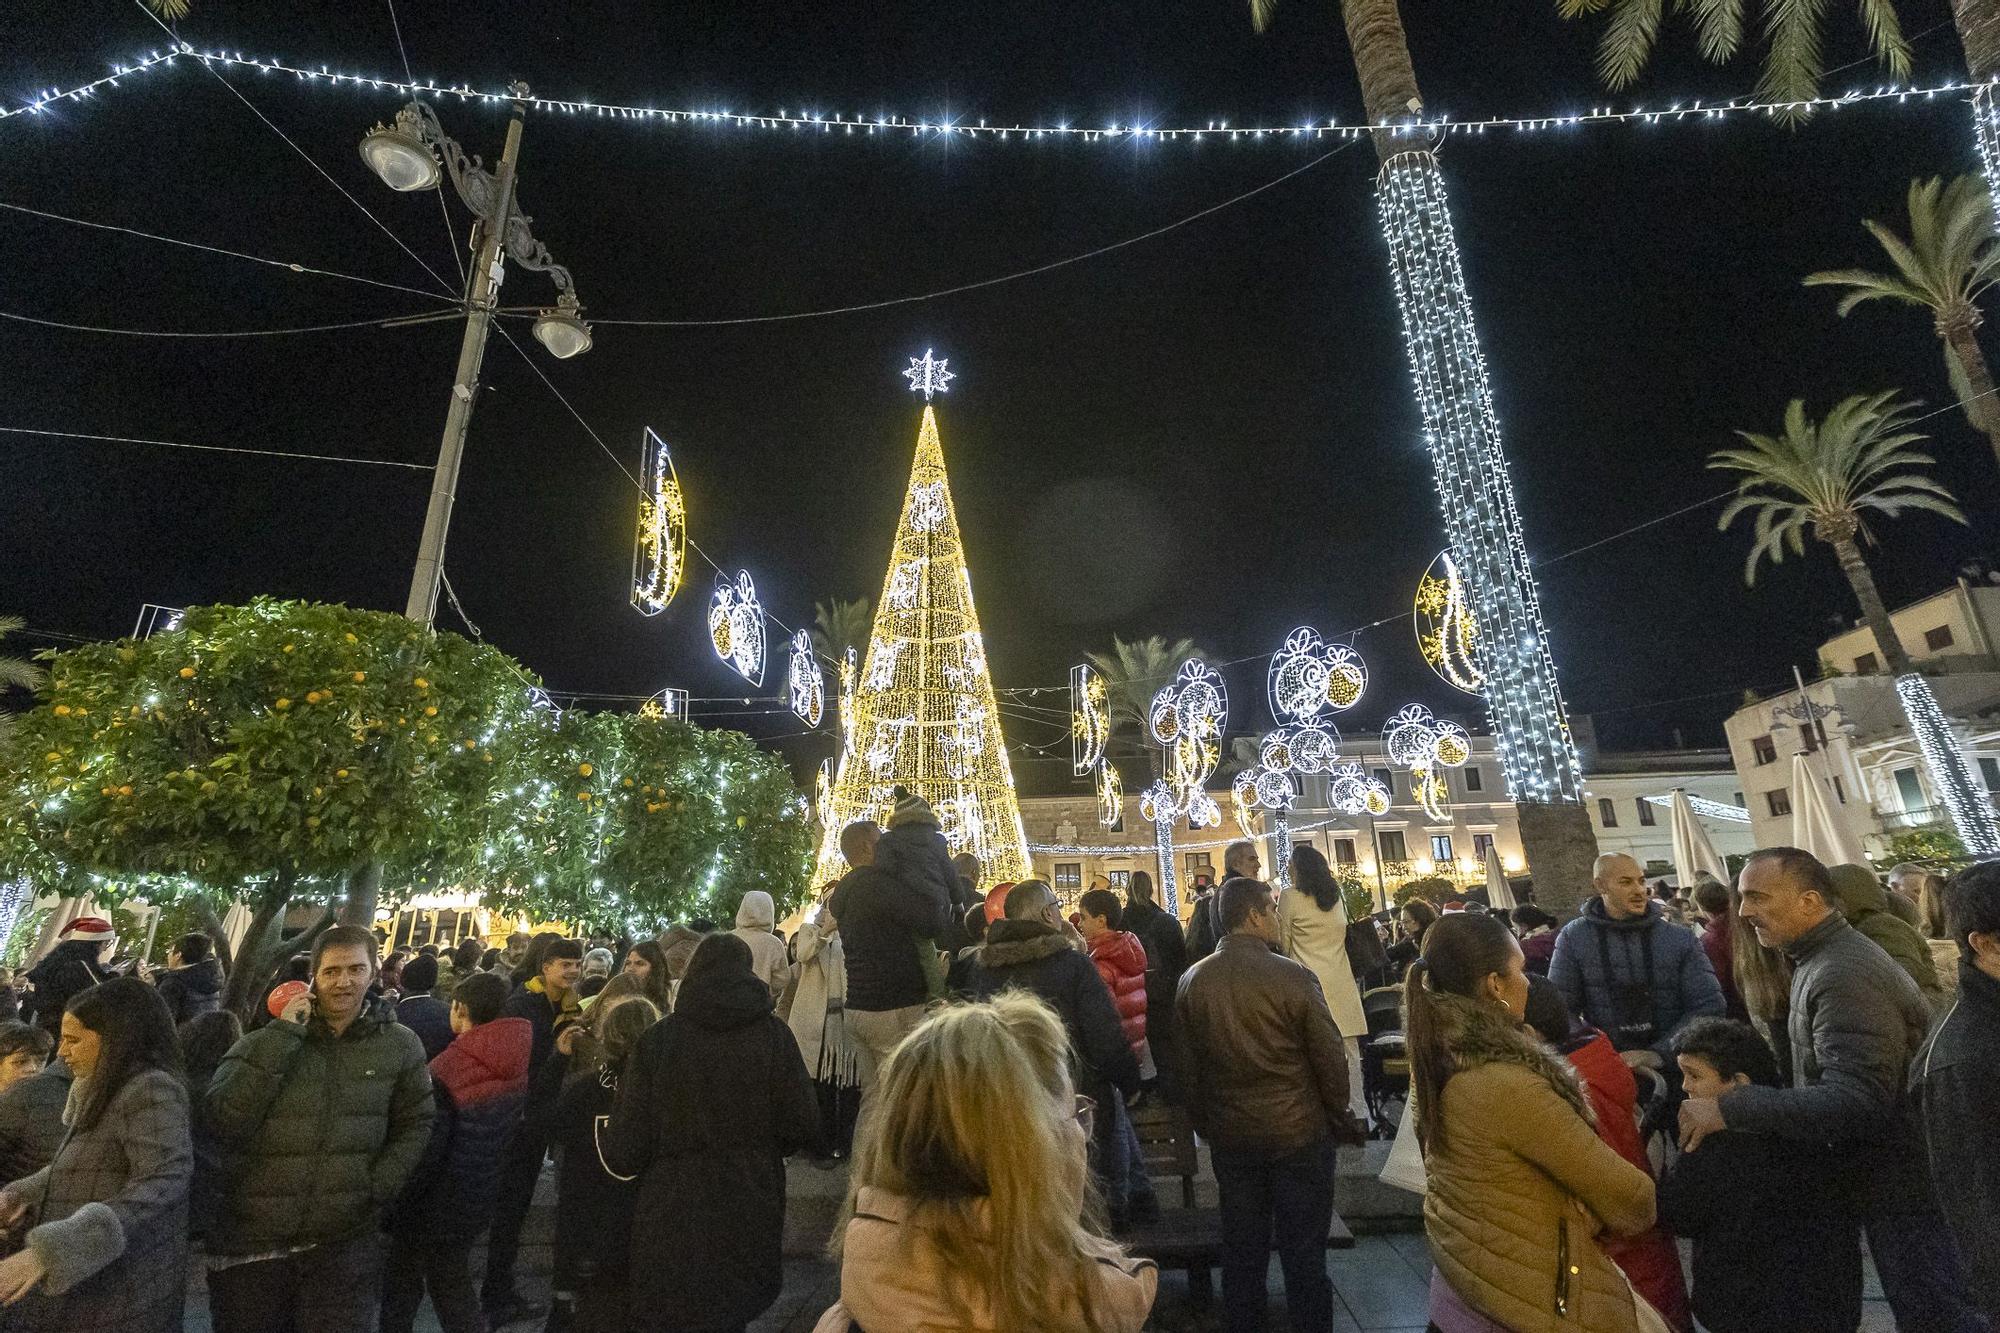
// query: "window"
[[1989, 772], [1938, 639], [1474, 781], [1778, 801], [1482, 843], [1120, 879], [1739, 797], [1607, 813], [1763, 750], [1069, 874], [1343, 851], [1389, 842], [1910, 790], [1645, 812], [1867, 664], [1387, 779], [1839, 792], [1441, 848], [1199, 867]]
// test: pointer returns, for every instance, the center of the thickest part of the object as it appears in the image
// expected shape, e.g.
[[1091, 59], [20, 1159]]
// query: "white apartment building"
[[1874, 767], [1071, 849]]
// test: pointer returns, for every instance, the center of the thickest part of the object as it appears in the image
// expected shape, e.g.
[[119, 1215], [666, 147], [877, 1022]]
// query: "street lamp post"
[[406, 156]]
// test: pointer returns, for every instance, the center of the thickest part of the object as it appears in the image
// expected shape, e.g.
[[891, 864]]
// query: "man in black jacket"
[[1956, 1083], [1856, 1023], [883, 922], [1204, 928], [192, 983], [1166, 960]]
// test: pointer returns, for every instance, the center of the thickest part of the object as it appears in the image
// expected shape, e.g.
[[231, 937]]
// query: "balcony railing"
[[1915, 817]]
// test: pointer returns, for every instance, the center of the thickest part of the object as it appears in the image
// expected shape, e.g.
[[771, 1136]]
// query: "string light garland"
[[1444, 625], [1971, 813], [805, 682], [659, 550], [1702, 805], [947, 126], [736, 626], [923, 714], [1475, 491]]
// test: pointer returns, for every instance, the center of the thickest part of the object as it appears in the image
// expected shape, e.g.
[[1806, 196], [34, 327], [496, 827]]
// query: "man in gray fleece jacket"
[[1856, 1023]]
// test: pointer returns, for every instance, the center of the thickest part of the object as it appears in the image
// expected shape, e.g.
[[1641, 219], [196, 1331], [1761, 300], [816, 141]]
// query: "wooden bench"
[[1188, 1237]]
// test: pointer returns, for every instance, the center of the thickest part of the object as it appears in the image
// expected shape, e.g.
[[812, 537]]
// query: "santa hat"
[[88, 928]]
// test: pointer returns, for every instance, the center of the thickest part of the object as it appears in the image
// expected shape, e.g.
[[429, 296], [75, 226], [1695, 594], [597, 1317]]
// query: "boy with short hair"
[[1774, 1242]]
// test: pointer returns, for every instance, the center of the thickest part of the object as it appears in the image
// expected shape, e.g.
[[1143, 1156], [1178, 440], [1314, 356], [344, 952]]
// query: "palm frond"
[[170, 10], [1794, 56], [1866, 286], [1261, 12], [1885, 36], [1627, 43], [1718, 27]]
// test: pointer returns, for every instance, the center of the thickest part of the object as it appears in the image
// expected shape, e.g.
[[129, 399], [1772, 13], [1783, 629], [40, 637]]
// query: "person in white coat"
[[1312, 922], [756, 916]]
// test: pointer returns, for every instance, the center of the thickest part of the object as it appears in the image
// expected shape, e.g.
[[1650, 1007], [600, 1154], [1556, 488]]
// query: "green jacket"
[[1865, 903], [319, 1132]]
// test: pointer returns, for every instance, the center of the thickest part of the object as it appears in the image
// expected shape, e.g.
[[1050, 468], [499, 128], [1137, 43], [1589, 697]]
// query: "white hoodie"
[[754, 918]]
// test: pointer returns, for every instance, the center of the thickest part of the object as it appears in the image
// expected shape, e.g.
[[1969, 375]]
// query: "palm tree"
[[15, 672], [839, 625], [1794, 38], [1134, 672], [170, 10], [1475, 487], [1950, 258], [1823, 478]]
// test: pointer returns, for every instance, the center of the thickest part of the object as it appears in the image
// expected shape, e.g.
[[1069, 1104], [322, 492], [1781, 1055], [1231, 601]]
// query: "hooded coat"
[[193, 990], [108, 1218], [320, 1132], [884, 926], [1955, 1084], [711, 1102], [1864, 901], [756, 915], [914, 851], [1121, 961], [1036, 957], [1637, 979], [1522, 1185], [480, 1083]]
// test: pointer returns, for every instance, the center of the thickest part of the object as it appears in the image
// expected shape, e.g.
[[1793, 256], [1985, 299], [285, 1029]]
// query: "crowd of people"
[[1760, 1069]]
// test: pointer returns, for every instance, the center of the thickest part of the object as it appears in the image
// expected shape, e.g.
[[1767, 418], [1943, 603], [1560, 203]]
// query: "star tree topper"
[[928, 376]]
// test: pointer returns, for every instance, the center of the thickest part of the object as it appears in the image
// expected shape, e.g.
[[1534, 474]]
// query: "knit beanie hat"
[[88, 928], [911, 809]]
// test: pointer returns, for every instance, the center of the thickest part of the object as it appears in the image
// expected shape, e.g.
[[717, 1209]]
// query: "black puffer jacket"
[[480, 1083], [192, 990], [71, 967], [320, 1132], [881, 922], [712, 1100], [1036, 957], [1956, 1084]]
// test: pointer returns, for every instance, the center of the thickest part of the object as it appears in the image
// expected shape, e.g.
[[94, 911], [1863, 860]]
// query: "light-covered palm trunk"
[[1944, 758], [1475, 490], [1978, 24]]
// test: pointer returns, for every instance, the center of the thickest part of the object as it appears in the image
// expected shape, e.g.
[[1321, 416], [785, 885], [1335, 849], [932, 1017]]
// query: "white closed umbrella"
[[1814, 827], [1499, 893], [236, 924], [1694, 854]]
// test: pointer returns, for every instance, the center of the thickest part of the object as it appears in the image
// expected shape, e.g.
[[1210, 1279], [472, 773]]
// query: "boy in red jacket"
[[1121, 961]]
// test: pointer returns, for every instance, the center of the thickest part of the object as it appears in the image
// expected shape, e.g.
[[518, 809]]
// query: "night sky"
[[1209, 433]]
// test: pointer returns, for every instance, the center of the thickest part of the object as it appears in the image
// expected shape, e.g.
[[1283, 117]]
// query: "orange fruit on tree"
[[187, 673], [282, 704], [62, 710], [584, 769]]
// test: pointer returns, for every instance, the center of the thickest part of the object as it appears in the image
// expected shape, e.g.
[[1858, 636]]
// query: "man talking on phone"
[[322, 1116]]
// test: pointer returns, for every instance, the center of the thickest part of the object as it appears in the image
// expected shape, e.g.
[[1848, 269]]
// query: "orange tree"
[[267, 747], [632, 820]]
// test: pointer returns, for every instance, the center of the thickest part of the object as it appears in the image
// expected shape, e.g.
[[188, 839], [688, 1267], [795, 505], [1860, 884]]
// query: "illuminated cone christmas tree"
[[923, 713]]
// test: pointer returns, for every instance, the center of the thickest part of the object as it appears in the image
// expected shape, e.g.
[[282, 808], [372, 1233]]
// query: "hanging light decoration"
[[1444, 625], [850, 675], [1089, 718], [1971, 813], [1110, 796], [659, 551], [806, 682], [736, 626], [667, 703]]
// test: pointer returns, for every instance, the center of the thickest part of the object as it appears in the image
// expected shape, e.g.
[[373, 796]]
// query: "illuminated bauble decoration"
[[1445, 628], [1196, 705], [1157, 804], [1275, 752], [1203, 812], [1346, 677], [1451, 746], [1309, 675], [736, 626], [1410, 737], [1089, 718], [1110, 797], [1243, 797], [806, 683], [1314, 750], [1274, 790], [659, 552], [1375, 799]]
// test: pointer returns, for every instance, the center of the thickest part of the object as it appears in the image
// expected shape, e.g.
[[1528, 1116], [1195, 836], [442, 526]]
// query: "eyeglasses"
[[1086, 1115]]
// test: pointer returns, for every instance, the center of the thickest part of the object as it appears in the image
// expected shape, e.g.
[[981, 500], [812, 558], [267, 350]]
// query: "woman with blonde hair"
[[966, 1206], [1519, 1183]]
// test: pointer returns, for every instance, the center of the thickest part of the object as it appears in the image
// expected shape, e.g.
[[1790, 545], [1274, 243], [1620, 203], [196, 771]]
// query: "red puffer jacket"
[[1121, 961]]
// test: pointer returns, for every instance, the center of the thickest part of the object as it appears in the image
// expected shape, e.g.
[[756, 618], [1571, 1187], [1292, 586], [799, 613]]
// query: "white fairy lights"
[[927, 375], [1110, 796], [1971, 814], [659, 551], [805, 682], [923, 714], [1424, 744], [1475, 491], [1444, 625], [1308, 676], [736, 626], [1089, 718], [848, 124]]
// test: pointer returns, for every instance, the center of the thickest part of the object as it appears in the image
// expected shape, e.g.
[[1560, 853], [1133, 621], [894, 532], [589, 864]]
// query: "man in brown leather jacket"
[[1267, 1089]]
